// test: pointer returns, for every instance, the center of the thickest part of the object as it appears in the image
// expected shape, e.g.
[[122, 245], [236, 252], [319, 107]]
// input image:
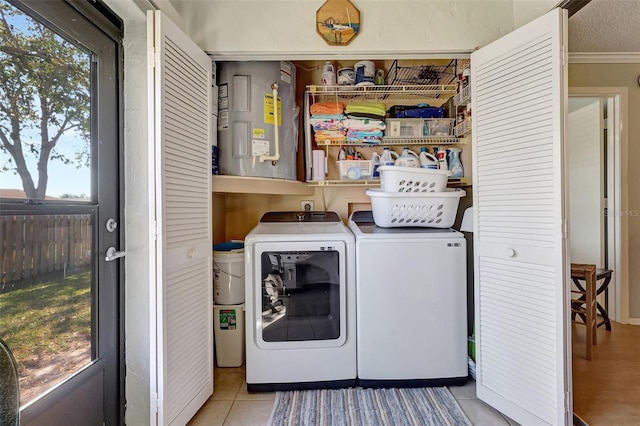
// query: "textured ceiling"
[[606, 26]]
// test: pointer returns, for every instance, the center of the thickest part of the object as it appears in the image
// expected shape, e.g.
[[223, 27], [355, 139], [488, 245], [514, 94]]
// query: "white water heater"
[[257, 135]]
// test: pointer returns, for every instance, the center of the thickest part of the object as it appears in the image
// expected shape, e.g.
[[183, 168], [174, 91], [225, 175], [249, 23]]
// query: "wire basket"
[[429, 210], [412, 179], [421, 74]]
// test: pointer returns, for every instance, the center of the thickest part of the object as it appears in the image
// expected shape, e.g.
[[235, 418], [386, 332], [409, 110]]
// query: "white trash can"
[[228, 273], [228, 321]]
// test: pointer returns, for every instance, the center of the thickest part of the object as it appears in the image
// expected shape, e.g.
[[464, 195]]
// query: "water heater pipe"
[[274, 158]]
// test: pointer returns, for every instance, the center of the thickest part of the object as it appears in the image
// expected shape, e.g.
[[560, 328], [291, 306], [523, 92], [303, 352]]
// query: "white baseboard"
[[634, 321]]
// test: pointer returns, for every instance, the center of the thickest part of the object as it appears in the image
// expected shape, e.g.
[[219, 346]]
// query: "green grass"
[[47, 318]]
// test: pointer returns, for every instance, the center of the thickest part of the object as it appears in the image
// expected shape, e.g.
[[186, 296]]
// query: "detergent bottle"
[[386, 159], [375, 159], [408, 158], [441, 155], [427, 161], [328, 74], [455, 165]]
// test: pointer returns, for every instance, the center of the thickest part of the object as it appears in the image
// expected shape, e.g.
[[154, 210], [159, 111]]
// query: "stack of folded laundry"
[[364, 130], [326, 119], [365, 122], [375, 110]]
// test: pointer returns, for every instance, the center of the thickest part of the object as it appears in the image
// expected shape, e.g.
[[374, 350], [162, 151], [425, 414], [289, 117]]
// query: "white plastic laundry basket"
[[431, 209], [412, 179]]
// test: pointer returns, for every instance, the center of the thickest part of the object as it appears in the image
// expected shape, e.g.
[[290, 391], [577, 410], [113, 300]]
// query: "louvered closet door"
[[182, 75], [519, 92]]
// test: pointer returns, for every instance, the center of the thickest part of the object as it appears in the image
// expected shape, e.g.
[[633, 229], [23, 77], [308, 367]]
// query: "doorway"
[[60, 298], [594, 146]]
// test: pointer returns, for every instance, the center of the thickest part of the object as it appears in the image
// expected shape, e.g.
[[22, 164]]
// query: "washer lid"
[[362, 224], [300, 216], [362, 216]]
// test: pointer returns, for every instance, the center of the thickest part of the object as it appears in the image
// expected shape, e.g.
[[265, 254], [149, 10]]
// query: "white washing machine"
[[300, 302], [411, 305]]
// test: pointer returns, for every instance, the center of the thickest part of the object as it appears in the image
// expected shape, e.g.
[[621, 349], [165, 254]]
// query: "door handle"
[[113, 254]]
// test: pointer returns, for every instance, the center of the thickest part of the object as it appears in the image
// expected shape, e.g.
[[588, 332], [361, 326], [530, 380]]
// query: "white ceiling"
[[606, 26]]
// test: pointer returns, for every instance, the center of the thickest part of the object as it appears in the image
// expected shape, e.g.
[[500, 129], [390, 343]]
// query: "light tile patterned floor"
[[232, 405]]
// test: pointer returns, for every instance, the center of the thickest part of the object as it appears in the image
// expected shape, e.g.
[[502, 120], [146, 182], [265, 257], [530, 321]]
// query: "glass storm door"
[[60, 218]]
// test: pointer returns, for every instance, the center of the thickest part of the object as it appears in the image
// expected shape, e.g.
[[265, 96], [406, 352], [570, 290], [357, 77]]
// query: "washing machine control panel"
[[299, 216]]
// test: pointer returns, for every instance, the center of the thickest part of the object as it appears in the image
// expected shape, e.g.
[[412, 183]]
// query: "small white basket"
[[412, 179], [355, 169], [429, 210]]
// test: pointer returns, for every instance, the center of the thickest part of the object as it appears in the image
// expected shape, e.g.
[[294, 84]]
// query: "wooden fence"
[[31, 245]]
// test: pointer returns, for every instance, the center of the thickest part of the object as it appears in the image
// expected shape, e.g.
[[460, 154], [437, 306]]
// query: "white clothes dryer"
[[411, 305], [300, 302]]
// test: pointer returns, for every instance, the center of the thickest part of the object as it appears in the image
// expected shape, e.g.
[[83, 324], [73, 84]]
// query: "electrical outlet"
[[306, 205]]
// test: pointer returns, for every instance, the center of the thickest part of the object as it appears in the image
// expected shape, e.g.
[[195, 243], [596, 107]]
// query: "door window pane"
[[46, 297], [300, 296], [44, 112]]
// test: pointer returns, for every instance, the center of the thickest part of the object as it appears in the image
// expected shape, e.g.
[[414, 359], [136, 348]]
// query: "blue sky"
[[63, 179]]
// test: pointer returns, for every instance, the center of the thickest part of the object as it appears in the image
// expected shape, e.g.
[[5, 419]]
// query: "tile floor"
[[232, 405]]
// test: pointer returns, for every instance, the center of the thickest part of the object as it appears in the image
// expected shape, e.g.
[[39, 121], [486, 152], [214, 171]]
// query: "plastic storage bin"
[[228, 321], [431, 210], [355, 169], [440, 126], [405, 128], [412, 179]]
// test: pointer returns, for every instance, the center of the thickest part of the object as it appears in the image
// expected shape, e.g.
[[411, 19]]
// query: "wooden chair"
[[603, 275], [584, 306]]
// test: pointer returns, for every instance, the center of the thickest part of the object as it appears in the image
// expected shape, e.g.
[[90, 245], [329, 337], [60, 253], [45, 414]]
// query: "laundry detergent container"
[[248, 115], [228, 321], [228, 273]]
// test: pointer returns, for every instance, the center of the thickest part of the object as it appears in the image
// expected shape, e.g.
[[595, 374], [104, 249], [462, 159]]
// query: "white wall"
[[138, 287], [396, 29], [526, 10]]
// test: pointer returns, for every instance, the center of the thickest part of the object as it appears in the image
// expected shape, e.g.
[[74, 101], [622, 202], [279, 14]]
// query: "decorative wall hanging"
[[338, 22]]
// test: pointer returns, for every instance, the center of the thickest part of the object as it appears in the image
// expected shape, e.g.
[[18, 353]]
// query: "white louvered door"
[[184, 326], [521, 268]]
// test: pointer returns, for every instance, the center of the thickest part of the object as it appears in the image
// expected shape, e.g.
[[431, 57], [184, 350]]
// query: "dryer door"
[[299, 294]]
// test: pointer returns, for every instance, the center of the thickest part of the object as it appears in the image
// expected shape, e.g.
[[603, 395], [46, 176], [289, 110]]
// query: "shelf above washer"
[[399, 141], [258, 185], [374, 183]]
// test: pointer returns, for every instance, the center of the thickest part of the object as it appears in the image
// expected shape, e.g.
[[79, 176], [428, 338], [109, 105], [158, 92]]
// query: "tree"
[[44, 94]]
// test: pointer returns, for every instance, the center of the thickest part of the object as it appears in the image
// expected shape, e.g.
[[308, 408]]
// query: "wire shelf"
[[464, 97], [375, 183], [333, 182], [421, 74], [397, 141], [463, 128], [383, 92]]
